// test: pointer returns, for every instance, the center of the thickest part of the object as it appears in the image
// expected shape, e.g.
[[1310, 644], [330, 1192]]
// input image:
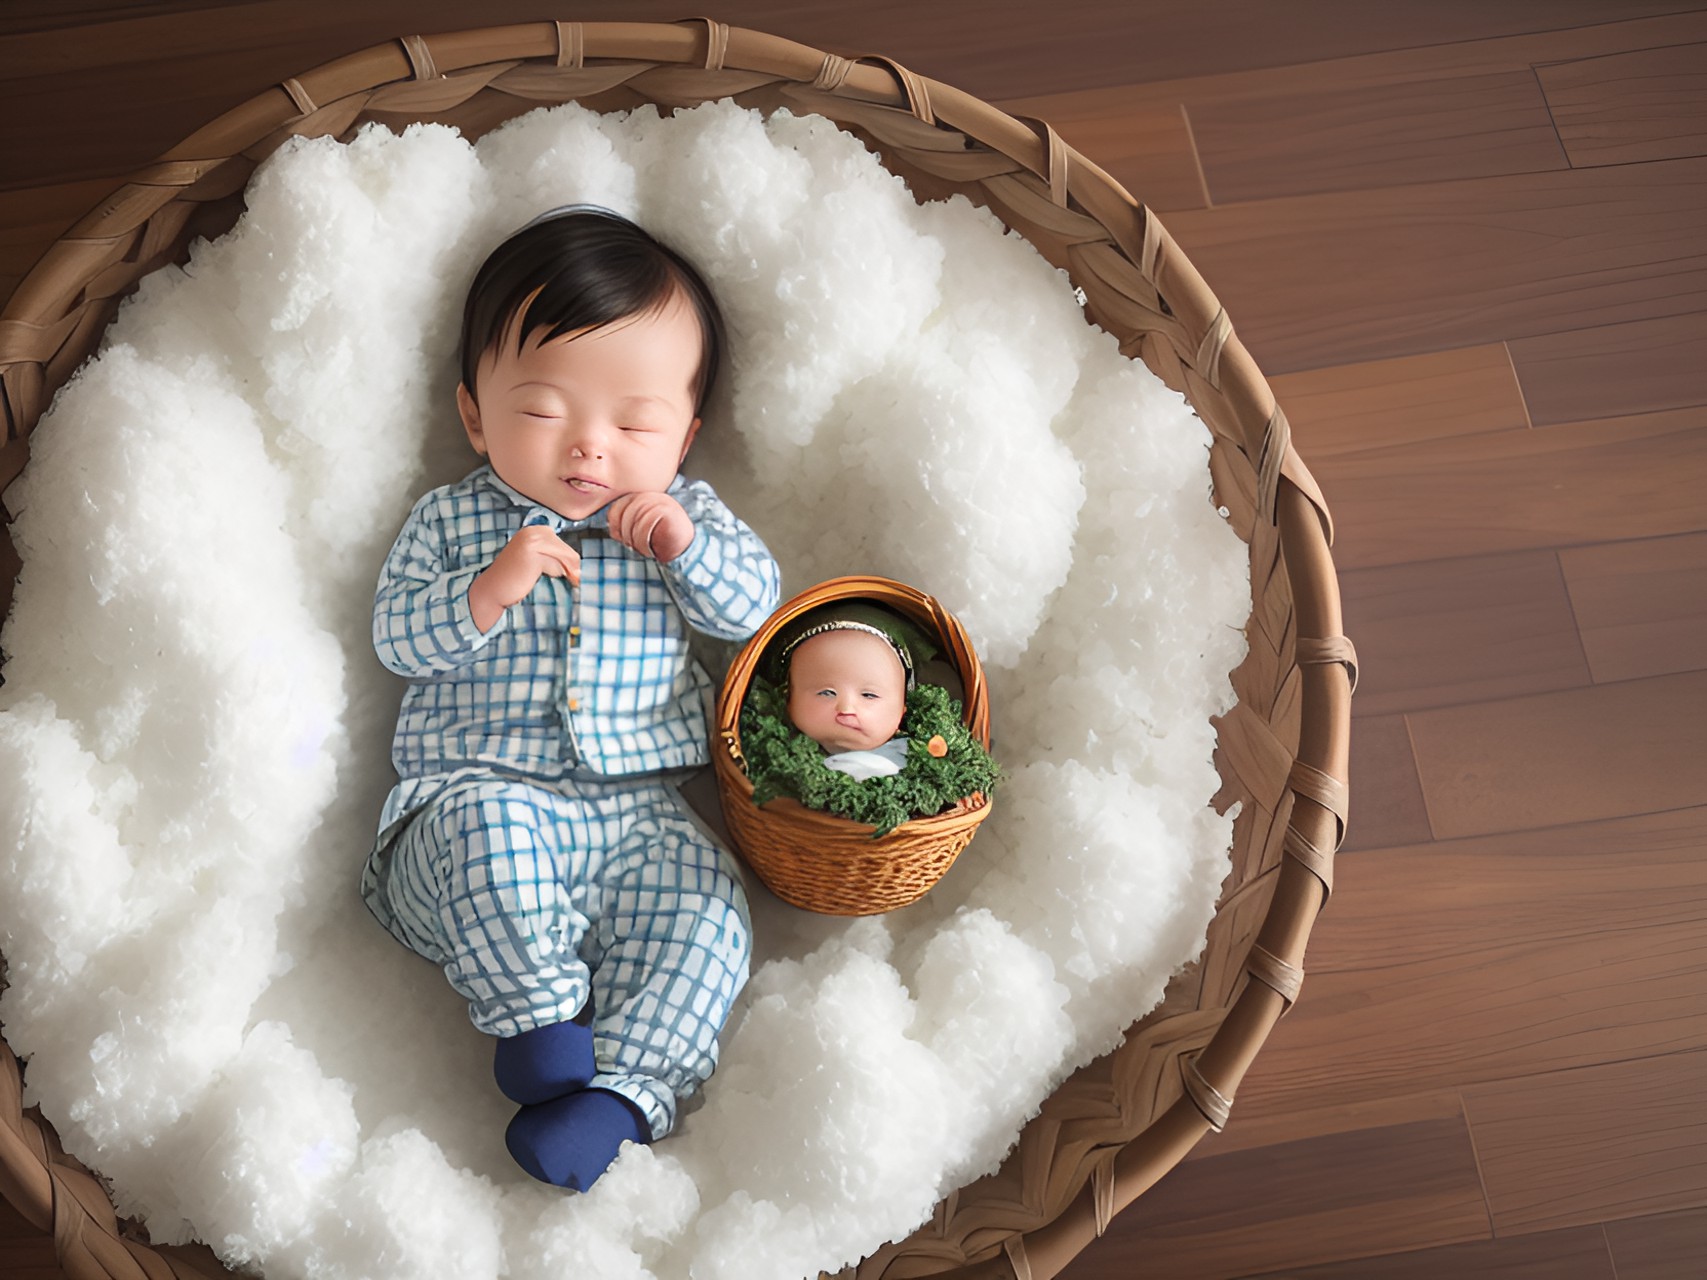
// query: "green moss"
[[782, 761]]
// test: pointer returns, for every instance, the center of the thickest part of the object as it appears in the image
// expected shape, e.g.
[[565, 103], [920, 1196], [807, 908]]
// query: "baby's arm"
[[726, 581], [422, 623]]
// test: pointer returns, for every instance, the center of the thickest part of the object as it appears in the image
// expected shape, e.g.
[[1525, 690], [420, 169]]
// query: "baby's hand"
[[653, 524], [534, 552]]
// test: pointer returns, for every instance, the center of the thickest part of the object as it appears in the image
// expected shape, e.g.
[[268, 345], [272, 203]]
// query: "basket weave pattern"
[[1118, 1125], [821, 862]]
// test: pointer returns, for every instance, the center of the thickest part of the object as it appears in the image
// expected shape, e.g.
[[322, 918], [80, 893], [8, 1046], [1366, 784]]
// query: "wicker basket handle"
[[920, 607]]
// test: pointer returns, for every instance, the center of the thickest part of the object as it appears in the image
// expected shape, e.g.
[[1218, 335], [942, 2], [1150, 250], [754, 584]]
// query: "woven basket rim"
[[1141, 287], [920, 607], [977, 802]]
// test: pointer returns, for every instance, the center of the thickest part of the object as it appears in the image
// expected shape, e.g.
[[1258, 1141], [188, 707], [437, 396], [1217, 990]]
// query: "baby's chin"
[[579, 504], [572, 502], [835, 746]]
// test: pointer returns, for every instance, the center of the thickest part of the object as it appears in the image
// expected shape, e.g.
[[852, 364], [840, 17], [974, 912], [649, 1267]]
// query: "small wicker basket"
[[817, 860]]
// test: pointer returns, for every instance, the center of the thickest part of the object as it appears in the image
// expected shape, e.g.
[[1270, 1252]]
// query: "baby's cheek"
[[798, 715]]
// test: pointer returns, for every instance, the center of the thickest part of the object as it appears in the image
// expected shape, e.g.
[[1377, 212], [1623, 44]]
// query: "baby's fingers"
[[560, 561], [642, 535], [617, 514], [627, 518]]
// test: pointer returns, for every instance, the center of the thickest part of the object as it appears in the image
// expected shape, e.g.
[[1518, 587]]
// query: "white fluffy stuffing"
[[197, 732]]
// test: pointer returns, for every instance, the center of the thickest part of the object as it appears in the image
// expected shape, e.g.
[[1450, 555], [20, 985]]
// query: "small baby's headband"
[[846, 624]]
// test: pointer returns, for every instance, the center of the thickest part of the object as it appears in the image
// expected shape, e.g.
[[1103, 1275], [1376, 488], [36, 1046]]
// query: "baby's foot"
[[570, 1141], [544, 1063]]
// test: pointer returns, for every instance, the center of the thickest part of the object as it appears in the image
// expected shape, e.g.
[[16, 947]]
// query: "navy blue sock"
[[570, 1141], [544, 1063]]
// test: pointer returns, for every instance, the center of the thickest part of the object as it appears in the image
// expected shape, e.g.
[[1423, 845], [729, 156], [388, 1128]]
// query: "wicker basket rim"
[[974, 804], [918, 606]]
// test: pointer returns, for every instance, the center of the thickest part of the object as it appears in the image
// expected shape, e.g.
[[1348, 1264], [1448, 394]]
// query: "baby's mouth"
[[582, 485]]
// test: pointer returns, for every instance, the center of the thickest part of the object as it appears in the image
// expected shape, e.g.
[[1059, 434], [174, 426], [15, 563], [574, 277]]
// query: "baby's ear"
[[470, 412], [687, 442]]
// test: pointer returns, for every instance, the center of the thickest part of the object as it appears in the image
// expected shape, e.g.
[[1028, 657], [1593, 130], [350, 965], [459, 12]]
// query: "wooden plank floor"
[[1469, 244]]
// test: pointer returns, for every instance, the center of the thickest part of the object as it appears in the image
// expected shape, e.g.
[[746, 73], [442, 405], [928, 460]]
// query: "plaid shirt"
[[589, 682]]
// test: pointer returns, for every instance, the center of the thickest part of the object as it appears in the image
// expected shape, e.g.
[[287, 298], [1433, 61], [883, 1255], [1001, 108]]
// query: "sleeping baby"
[[535, 847]]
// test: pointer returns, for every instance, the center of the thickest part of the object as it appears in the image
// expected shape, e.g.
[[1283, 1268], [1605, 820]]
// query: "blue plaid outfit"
[[534, 846]]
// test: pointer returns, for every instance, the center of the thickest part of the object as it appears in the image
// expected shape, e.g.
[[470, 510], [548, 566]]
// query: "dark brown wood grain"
[[1553, 759], [1363, 275], [1572, 485], [1305, 140], [1309, 1199], [1641, 606], [1609, 371], [1478, 961], [1667, 1246], [1350, 408], [1541, 891], [1577, 1254], [1390, 809], [1617, 1140], [1470, 629], [1649, 104]]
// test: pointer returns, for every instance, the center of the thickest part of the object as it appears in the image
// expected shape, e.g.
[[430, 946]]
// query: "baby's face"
[[576, 422], [847, 690]]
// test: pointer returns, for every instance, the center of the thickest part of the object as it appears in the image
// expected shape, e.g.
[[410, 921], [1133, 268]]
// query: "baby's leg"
[[669, 950], [485, 885]]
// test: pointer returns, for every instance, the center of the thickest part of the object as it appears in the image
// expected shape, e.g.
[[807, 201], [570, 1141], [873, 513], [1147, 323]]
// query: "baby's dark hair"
[[589, 268]]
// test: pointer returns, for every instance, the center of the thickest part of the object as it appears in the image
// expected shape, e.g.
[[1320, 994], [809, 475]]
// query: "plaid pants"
[[533, 899]]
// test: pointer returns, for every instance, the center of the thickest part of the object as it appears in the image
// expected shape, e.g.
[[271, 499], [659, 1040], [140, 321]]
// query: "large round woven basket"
[[816, 860], [1118, 1125]]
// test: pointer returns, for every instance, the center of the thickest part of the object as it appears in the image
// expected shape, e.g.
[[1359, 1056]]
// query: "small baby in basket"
[[838, 719]]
